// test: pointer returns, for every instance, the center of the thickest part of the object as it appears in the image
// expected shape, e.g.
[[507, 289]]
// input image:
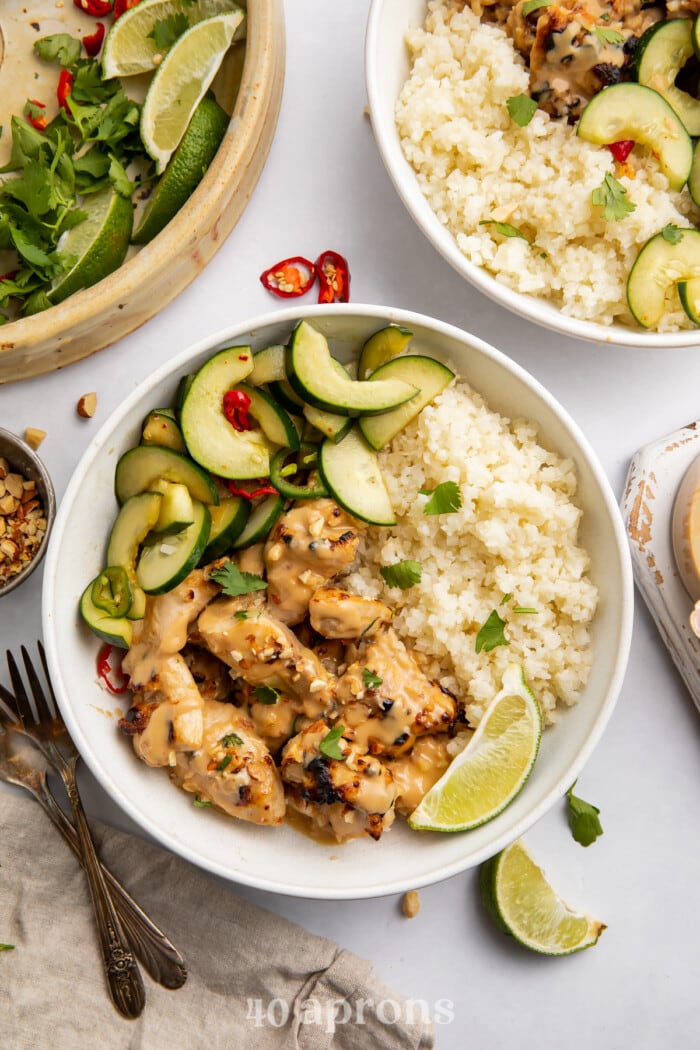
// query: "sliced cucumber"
[[662, 51], [160, 428], [659, 265], [313, 488], [316, 378], [166, 562], [182, 387], [429, 375], [283, 393], [268, 365], [260, 521], [634, 111], [227, 523], [274, 422], [350, 471], [176, 508], [381, 347], [114, 630], [689, 292], [137, 517], [694, 177], [330, 424], [145, 465], [210, 438]]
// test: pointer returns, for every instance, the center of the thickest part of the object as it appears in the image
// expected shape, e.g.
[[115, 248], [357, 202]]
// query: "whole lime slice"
[[180, 83], [489, 773], [185, 169], [516, 893], [130, 48], [96, 246]]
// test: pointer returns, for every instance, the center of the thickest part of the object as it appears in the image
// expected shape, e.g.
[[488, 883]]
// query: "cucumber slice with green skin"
[[135, 520], [182, 387], [145, 465], [388, 342], [694, 177], [350, 472], [284, 395], [160, 428], [314, 487], [330, 424], [695, 36], [261, 520], [659, 265], [689, 292], [662, 51], [268, 365], [634, 111], [170, 559], [316, 378], [227, 523], [429, 375], [210, 438], [274, 422], [176, 508], [113, 630]]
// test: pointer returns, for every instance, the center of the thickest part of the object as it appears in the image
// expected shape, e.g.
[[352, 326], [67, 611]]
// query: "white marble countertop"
[[324, 186]]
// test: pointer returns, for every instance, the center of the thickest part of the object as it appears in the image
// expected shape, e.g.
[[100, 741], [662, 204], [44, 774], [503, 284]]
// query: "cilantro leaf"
[[504, 228], [265, 694], [608, 36], [672, 233], [371, 680], [583, 818], [241, 614], [166, 30], [234, 582], [505, 599], [403, 574], [329, 746], [201, 803], [534, 5], [226, 761], [445, 499], [60, 47], [612, 198], [231, 740], [491, 634], [7, 947], [522, 109]]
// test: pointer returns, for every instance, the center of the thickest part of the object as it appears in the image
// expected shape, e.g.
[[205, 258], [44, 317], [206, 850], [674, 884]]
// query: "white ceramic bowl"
[[282, 859], [386, 71]]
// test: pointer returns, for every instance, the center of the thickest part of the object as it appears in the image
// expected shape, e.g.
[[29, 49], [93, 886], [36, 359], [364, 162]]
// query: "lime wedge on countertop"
[[185, 169], [130, 49], [181, 81], [516, 893], [489, 773], [96, 246]]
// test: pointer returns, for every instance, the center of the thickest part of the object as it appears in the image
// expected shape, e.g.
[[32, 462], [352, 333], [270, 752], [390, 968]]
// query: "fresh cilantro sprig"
[[672, 233], [330, 746], [234, 582], [522, 109], [370, 679], [492, 633], [583, 818], [166, 30], [265, 694], [612, 198], [608, 36], [231, 740], [403, 574], [445, 498], [504, 228]]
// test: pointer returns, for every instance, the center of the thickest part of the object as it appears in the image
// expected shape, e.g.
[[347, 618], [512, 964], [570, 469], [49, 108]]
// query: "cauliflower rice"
[[474, 163], [515, 534]]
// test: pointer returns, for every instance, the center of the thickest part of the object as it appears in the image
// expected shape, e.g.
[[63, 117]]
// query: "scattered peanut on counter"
[[410, 905], [33, 436], [87, 404], [22, 522]]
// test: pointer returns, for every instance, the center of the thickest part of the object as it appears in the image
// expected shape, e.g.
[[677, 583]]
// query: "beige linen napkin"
[[256, 981]]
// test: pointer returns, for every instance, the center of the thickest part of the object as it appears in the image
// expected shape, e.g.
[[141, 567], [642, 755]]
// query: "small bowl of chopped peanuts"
[[27, 511]]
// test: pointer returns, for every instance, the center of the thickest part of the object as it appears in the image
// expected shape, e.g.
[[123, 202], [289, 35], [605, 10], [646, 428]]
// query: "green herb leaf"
[[166, 31], [403, 574], [612, 198], [522, 109], [60, 47], [226, 761], [234, 582], [504, 228], [7, 947], [329, 745], [608, 36], [371, 680], [534, 5], [241, 614], [672, 233], [492, 633], [231, 740], [505, 599], [201, 803], [445, 499], [265, 694], [520, 609], [583, 818]]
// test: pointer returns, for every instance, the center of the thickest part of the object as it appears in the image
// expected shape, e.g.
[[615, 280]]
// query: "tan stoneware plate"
[[151, 276]]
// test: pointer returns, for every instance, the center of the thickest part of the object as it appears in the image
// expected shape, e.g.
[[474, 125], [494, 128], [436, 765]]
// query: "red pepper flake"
[[32, 112], [621, 150], [93, 42], [105, 671], [290, 278], [236, 404], [65, 84], [98, 8], [264, 489], [334, 275]]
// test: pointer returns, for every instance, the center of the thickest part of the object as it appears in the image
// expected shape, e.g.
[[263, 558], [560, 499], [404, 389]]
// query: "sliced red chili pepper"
[[264, 489], [36, 119], [105, 670], [98, 8], [621, 150], [93, 41], [120, 6], [65, 84], [236, 404], [9, 276], [290, 278], [334, 275]]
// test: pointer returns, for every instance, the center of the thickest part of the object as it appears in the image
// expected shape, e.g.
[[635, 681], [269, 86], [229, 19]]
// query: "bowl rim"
[[43, 478], [405, 183], [612, 686]]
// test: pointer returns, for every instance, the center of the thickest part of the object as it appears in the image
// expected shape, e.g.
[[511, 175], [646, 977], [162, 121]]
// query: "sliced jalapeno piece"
[[287, 464], [111, 591]]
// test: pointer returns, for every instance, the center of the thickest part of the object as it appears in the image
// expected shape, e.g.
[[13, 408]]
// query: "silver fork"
[[51, 736]]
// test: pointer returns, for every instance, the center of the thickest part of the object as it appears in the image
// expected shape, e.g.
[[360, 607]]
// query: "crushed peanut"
[[410, 905], [33, 436], [87, 404], [22, 522]]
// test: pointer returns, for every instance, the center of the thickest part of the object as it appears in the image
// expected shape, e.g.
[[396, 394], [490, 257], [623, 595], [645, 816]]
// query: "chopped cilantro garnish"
[[166, 30], [583, 818], [520, 609], [505, 599], [491, 634], [241, 614], [522, 109], [534, 5], [60, 47], [265, 694], [231, 740], [234, 582], [371, 680], [608, 36], [201, 803], [221, 766], [329, 745], [444, 499], [612, 198], [504, 228], [403, 574], [672, 233]]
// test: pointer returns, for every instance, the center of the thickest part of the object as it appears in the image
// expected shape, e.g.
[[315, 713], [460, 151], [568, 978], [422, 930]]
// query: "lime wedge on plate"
[[489, 773], [181, 81], [130, 49], [518, 896], [185, 168], [96, 246]]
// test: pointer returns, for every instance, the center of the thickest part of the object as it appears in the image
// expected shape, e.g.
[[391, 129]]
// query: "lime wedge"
[[489, 773], [518, 896], [130, 49], [96, 246], [181, 81], [185, 168]]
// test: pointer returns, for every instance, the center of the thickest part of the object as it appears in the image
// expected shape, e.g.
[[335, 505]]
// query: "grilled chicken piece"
[[166, 717], [232, 768], [352, 796], [415, 773], [211, 676], [337, 614], [276, 716], [387, 715], [309, 545]]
